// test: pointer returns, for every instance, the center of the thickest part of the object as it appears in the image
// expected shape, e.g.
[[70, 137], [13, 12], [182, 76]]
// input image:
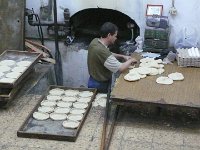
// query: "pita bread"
[[85, 94], [69, 99], [24, 63], [144, 70], [160, 71], [53, 97], [176, 76], [45, 109], [153, 72], [7, 80], [62, 110], [70, 124], [84, 100], [77, 111], [56, 91], [164, 80], [19, 69], [71, 93], [40, 116], [56, 116], [5, 68], [80, 105], [132, 77], [48, 103], [75, 117], [64, 104], [13, 75], [7, 62]]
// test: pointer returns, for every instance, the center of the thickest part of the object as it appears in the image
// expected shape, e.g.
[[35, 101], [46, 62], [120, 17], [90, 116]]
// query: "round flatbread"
[[19, 69], [144, 70], [40, 116], [24, 63], [176, 76], [80, 105], [57, 91], [56, 116], [164, 80], [62, 110], [71, 93], [53, 97], [153, 72], [132, 77], [75, 117], [160, 71], [69, 99], [48, 103], [86, 94], [64, 104], [77, 111], [84, 99], [70, 124], [7, 62], [7, 80], [5, 68], [45, 109], [13, 75]]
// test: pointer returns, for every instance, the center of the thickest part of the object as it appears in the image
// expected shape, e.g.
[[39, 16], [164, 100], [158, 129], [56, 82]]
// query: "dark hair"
[[107, 28]]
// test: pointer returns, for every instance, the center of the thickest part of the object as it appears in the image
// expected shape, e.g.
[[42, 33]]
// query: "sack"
[[157, 21]]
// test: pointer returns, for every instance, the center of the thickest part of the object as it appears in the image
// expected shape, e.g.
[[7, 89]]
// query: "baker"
[[102, 62]]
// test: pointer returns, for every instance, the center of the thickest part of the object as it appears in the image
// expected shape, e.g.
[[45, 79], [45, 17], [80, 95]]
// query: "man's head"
[[109, 31]]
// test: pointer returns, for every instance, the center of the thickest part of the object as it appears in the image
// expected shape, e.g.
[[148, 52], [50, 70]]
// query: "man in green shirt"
[[101, 62]]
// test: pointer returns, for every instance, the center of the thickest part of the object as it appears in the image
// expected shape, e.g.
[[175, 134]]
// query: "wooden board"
[[180, 93], [49, 129]]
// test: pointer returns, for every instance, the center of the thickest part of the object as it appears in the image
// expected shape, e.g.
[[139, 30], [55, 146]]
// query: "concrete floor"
[[138, 128]]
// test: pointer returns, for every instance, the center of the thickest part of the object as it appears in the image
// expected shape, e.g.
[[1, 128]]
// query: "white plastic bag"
[[187, 37]]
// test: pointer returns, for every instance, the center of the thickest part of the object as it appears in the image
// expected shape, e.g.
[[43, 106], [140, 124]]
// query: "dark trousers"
[[101, 87]]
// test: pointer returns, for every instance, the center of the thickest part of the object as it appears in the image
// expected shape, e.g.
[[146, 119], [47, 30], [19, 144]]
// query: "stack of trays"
[[14, 69], [188, 57]]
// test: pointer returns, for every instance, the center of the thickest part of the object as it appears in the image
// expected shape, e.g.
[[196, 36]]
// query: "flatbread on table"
[[64, 104], [176, 76], [85, 94], [5, 68], [71, 93], [62, 110], [77, 111], [13, 75], [75, 117], [132, 77], [164, 80], [40, 116], [58, 116], [7, 62], [48, 103], [80, 105], [46, 109], [56, 91], [69, 99], [53, 97], [70, 124], [19, 69], [84, 99]]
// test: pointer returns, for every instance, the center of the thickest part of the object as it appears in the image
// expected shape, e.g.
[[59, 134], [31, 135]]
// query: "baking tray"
[[49, 129], [19, 56]]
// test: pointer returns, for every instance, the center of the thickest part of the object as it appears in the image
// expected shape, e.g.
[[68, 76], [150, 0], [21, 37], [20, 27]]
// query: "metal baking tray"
[[19, 56], [49, 129]]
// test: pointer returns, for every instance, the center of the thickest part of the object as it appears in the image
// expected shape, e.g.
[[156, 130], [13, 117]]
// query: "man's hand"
[[127, 57]]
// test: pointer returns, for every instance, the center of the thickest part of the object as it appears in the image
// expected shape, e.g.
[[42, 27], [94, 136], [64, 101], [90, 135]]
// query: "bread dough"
[[147, 59], [80, 105], [24, 63], [56, 91], [19, 69], [132, 77], [7, 80], [84, 100], [69, 99], [153, 72], [176, 76], [56, 116], [70, 124], [144, 70], [164, 80], [40, 116], [85, 94], [160, 71], [48, 103], [1, 74], [5, 68], [72, 93], [62, 110], [13, 75], [7, 62], [75, 117], [53, 97], [77, 111], [45, 109], [64, 104]]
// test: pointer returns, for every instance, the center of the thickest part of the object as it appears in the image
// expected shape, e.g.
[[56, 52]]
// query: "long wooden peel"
[[37, 44]]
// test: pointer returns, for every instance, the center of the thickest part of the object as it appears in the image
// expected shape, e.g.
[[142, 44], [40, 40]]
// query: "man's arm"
[[126, 64], [121, 56]]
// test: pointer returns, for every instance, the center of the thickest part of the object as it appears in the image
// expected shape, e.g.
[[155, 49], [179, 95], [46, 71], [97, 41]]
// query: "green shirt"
[[97, 55]]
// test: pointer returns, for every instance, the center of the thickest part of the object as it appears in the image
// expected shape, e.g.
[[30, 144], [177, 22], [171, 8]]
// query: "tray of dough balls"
[[15, 65], [60, 113]]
